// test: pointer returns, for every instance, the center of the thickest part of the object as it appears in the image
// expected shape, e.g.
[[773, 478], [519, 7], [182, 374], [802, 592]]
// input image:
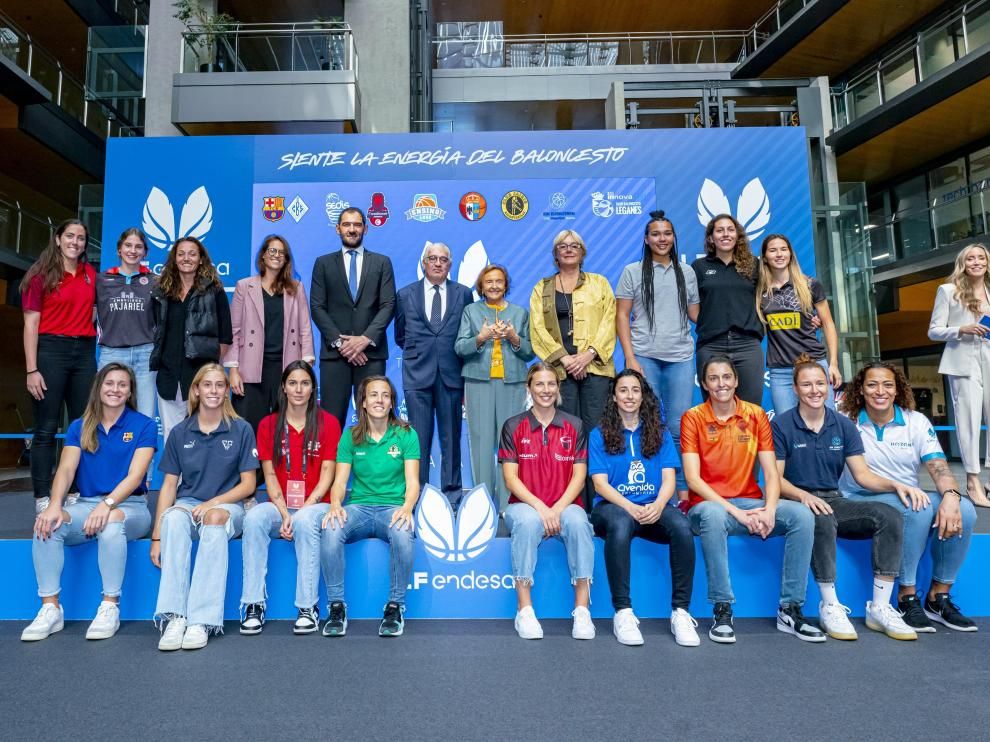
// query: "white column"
[[381, 35]]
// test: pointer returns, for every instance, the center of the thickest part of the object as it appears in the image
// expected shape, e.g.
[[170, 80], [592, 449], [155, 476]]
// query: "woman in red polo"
[[58, 294]]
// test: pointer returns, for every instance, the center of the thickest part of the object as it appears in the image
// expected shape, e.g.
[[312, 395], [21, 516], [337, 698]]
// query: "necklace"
[[568, 299]]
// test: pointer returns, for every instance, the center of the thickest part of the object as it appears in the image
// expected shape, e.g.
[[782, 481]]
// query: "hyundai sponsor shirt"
[[814, 461], [546, 456], [100, 471], [209, 463], [634, 476]]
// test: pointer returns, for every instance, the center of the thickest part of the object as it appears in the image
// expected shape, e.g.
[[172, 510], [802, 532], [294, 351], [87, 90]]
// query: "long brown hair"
[[802, 287], [964, 293], [742, 253], [284, 282], [613, 431], [360, 431], [93, 413], [311, 428], [227, 411], [206, 275], [49, 264], [853, 402]]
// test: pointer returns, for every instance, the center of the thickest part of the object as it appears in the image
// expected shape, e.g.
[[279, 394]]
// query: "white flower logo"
[[459, 539], [159, 217], [752, 209], [474, 260]]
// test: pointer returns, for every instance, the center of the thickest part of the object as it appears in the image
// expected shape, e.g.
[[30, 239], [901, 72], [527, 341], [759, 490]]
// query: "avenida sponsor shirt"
[[636, 477]]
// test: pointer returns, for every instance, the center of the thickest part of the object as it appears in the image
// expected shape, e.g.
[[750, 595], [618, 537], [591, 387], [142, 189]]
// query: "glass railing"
[[588, 50], [269, 47], [65, 90], [115, 69], [26, 233], [771, 22], [947, 40]]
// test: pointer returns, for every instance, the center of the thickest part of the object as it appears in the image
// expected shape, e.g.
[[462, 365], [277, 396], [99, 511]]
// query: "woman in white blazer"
[[960, 304]]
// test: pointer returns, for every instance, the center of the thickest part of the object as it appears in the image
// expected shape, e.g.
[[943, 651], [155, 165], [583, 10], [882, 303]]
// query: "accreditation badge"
[[295, 494]]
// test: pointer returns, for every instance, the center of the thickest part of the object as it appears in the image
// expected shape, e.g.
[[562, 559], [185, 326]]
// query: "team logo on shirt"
[[566, 441], [128, 437], [784, 321], [143, 280], [189, 444], [931, 433], [394, 451], [227, 444], [637, 473]]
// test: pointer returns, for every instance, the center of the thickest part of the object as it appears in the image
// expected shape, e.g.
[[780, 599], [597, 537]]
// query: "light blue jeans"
[[795, 522], [201, 599], [782, 388], [673, 383], [367, 521], [947, 555], [49, 555], [527, 534], [138, 358], [307, 532]]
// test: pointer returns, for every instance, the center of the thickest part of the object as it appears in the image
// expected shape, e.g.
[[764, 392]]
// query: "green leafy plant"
[[203, 27]]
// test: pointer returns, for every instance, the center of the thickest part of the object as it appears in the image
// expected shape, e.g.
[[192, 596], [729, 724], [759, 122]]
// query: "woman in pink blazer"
[[270, 318]]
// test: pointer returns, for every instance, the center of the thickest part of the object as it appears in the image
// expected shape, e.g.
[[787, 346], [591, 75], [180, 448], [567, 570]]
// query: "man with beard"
[[352, 300]]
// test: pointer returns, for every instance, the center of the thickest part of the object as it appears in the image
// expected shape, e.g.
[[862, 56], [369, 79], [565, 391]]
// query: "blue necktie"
[[352, 279], [436, 311]]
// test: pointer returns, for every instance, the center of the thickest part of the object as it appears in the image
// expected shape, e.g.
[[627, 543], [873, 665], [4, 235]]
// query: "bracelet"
[[156, 539], [957, 493], [31, 372]]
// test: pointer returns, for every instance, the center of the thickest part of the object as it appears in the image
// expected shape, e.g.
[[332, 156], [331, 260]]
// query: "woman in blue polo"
[[107, 451], [208, 463], [633, 464]]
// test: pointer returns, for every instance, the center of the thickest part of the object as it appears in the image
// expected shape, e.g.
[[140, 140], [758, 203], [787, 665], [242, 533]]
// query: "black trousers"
[[857, 520], [339, 379], [444, 405], [746, 354], [260, 399], [585, 399]]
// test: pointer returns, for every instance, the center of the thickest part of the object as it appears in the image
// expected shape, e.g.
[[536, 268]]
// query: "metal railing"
[[269, 47], [771, 22], [589, 50], [950, 38], [25, 233]]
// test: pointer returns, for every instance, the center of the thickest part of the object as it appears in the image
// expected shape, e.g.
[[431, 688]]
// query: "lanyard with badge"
[[295, 489]]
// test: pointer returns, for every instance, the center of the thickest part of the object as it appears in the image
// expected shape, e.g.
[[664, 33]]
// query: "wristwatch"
[[337, 343], [109, 502]]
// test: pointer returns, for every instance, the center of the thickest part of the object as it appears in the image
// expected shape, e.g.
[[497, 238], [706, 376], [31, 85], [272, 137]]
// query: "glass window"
[[864, 96], [978, 27], [899, 75], [950, 204], [979, 201], [941, 46], [912, 228]]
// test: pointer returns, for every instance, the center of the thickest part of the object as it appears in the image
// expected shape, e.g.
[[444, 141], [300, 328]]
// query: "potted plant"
[[203, 27]]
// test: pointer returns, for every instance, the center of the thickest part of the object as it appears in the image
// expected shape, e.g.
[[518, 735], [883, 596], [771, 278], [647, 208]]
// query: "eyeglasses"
[[568, 246], [440, 259], [275, 252]]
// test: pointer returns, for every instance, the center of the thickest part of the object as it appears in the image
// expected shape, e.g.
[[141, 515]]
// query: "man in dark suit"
[[352, 300], [427, 318]]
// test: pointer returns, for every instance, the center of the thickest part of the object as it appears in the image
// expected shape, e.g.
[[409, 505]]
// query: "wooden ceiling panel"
[[53, 25]]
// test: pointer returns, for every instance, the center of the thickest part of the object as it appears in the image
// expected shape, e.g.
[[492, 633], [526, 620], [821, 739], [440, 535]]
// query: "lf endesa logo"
[[195, 220]]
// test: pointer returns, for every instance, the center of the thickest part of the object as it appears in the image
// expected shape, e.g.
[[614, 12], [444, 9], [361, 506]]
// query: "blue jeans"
[[307, 530], [262, 523], [49, 555], [947, 555], [782, 388], [137, 357], [201, 599], [367, 521], [673, 383], [795, 522], [527, 533]]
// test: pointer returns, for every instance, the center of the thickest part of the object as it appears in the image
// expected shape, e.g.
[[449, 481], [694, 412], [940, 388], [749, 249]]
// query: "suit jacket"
[[961, 356], [336, 314], [425, 351], [247, 315]]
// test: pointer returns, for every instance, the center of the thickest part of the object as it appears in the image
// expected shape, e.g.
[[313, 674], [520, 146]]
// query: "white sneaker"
[[682, 626], [196, 637], [106, 623], [526, 624], [886, 619], [172, 636], [50, 619], [41, 504], [582, 627], [834, 618], [625, 626]]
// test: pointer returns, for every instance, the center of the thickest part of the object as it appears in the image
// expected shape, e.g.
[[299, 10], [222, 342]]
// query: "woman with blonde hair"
[[958, 320]]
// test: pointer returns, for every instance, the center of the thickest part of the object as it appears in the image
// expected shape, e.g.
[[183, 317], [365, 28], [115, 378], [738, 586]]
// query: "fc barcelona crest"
[[273, 207]]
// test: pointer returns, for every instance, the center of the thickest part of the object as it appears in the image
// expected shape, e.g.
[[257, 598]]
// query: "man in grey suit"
[[352, 300], [427, 318]]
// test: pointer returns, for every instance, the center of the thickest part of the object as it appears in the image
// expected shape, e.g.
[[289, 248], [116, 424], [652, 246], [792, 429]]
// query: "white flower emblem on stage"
[[459, 539], [752, 208], [159, 224], [474, 260]]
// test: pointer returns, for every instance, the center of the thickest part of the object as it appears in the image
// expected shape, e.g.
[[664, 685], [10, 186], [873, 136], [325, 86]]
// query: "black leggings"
[[260, 399]]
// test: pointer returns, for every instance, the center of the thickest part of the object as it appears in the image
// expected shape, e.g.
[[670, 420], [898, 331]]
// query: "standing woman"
[[494, 342], [192, 325], [209, 464], [960, 305], [786, 303], [727, 320], [124, 313], [271, 329], [656, 299], [297, 447], [57, 295], [107, 452]]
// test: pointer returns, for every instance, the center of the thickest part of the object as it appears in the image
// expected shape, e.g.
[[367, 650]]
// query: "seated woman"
[[898, 440], [633, 464], [298, 474], [813, 444], [107, 451], [544, 457], [209, 464], [382, 452]]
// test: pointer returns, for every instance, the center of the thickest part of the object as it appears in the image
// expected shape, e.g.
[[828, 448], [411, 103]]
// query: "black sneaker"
[[336, 625], [943, 610], [790, 620], [254, 619], [308, 621], [392, 623], [721, 630], [914, 615]]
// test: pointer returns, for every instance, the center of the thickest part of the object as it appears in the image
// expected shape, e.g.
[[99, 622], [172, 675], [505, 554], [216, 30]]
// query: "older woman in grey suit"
[[494, 342]]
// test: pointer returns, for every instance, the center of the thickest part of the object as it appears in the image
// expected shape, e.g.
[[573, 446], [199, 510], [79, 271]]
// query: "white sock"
[[882, 591], [827, 589]]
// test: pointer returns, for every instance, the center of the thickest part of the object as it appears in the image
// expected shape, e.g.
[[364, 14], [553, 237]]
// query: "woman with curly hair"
[[633, 462], [727, 321], [897, 440], [960, 306], [192, 325]]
